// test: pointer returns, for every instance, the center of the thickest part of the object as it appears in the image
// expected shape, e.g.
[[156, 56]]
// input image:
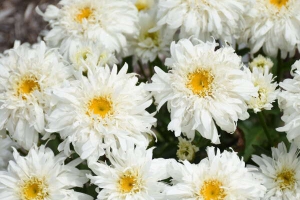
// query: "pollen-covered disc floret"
[[289, 103], [220, 176], [41, 175], [267, 92], [281, 172], [102, 21], [274, 25], [106, 109], [28, 76], [204, 87], [133, 174], [204, 19]]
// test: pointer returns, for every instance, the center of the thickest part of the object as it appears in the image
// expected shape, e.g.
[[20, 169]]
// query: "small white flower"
[[261, 62], [219, 176], [186, 150], [101, 21], [274, 25], [133, 174], [203, 19], [106, 109], [267, 92], [204, 87], [28, 76], [41, 176], [289, 102], [281, 172]]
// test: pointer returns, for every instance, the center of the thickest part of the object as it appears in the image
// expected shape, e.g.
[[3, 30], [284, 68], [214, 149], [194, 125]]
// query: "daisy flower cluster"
[[154, 100]]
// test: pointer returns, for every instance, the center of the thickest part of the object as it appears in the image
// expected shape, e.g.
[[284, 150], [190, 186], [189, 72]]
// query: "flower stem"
[[265, 127]]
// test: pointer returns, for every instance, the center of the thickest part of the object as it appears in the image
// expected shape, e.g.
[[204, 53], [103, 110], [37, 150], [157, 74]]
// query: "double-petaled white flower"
[[28, 76], [41, 176], [204, 87]]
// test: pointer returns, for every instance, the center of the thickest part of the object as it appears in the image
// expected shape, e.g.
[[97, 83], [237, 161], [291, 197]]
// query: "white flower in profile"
[[204, 87], [261, 62], [281, 172], [289, 103], [104, 110], [220, 176], [101, 21], [6, 145], [267, 92], [204, 19], [274, 25], [41, 176], [150, 43], [133, 174], [28, 76], [84, 54], [186, 150]]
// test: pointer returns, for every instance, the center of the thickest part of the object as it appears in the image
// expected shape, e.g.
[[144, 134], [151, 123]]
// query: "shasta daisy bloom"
[[28, 76], [261, 62], [6, 145], [150, 43], [204, 87], [84, 54], [41, 176], [267, 92], [288, 101], [133, 174], [220, 176], [281, 172], [186, 150], [203, 19], [101, 21], [104, 110], [274, 25]]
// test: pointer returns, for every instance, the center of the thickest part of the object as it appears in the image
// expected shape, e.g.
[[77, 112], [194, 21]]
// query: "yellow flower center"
[[84, 13], [128, 183], [34, 189], [154, 36], [211, 190], [279, 3], [200, 82], [27, 85], [142, 5], [286, 179], [101, 106]]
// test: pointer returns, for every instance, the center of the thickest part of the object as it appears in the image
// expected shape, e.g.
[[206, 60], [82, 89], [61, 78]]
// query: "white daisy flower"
[[281, 172], [288, 101], [41, 176], [221, 176], [261, 62], [203, 19], [267, 92], [133, 174], [6, 145], [84, 54], [274, 25], [28, 76], [186, 150], [150, 43], [102, 21], [204, 86], [105, 109]]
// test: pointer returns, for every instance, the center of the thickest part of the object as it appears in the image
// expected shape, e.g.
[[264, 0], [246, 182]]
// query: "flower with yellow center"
[[281, 172], [41, 175], [133, 174], [220, 176], [204, 88], [104, 109], [28, 76]]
